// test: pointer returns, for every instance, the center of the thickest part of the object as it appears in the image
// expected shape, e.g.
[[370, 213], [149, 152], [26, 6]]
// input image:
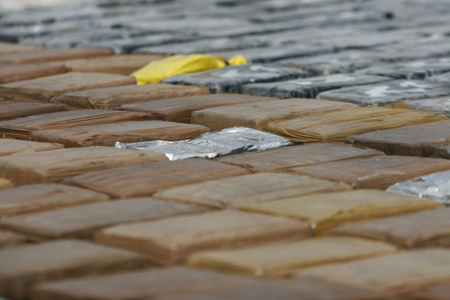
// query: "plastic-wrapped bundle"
[[309, 87], [342, 62], [433, 105], [434, 186], [412, 70], [127, 45], [365, 41], [444, 78], [271, 54], [415, 51], [204, 46], [215, 144], [387, 92], [231, 79]]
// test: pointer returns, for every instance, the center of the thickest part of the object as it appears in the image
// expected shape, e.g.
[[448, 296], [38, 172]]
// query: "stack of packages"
[[195, 149]]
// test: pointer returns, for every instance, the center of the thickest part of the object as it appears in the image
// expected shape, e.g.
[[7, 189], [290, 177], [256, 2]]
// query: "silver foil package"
[[224, 142], [435, 186]]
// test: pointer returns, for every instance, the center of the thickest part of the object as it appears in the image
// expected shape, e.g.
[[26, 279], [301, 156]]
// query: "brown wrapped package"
[[170, 241], [49, 55], [57, 165], [11, 73], [9, 239], [5, 184], [326, 211], [335, 127], [127, 132], [14, 110], [22, 128], [7, 48], [282, 259], [83, 221], [145, 180], [375, 172], [147, 284], [44, 88], [180, 109], [296, 156], [258, 115], [415, 140], [113, 64], [43, 197], [397, 275], [109, 98], [248, 189], [429, 228], [10, 146], [439, 292], [286, 290], [23, 267]]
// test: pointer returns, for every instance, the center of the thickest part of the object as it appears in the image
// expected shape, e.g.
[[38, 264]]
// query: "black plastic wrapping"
[[127, 45], [272, 54], [309, 87], [205, 46], [444, 78], [366, 41], [410, 70], [231, 79], [342, 62], [405, 52], [388, 92]]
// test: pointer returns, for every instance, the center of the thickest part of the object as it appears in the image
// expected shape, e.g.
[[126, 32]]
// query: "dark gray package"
[[415, 51], [16, 33], [410, 70], [341, 62], [309, 87], [272, 54], [79, 37], [443, 78], [188, 25], [308, 35], [388, 92], [219, 143], [231, 79], [204, 46], [435, 186], [52, 14], [369, 40], [127, 45], [432, 105]]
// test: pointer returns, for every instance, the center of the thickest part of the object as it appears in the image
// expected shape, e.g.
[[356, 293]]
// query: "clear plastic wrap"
[[214, 144], [309, 87], [432, 105], [412, 70], [443, 78], [435, 186], [231, 78], [387, 92]]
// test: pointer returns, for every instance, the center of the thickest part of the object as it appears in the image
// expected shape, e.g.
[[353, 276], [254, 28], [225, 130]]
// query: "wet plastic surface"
[[435, 186], [215, 144], [310, 87], [388, 92], [231, 79]]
